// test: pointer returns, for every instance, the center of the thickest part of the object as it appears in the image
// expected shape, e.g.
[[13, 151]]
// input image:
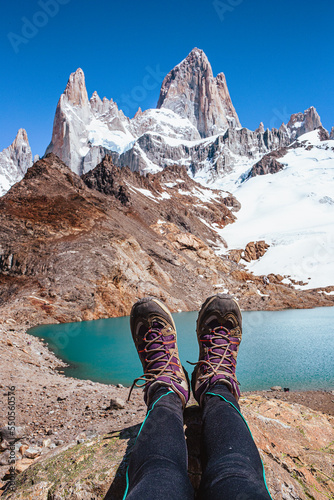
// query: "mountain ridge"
[[194, 122]]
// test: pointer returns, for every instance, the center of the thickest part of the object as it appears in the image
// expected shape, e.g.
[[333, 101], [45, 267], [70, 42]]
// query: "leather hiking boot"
[[219, 330], [154, 334]]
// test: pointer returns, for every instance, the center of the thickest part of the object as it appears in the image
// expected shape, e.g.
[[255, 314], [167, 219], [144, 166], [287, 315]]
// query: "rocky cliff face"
[[301, 123], [191, 90], [214, 157], [83, 126], [14, 161]]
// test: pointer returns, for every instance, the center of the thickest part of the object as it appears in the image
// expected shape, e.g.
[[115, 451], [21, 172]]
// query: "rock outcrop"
[[268, 164], [301, 123], [14, 161], [331, 136], [191, 90], [255, 250], [215, 156]]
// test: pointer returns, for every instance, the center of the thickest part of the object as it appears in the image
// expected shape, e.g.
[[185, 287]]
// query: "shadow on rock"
[[117, 487]]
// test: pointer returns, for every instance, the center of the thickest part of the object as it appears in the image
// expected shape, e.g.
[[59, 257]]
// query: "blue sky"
[[277, 56]]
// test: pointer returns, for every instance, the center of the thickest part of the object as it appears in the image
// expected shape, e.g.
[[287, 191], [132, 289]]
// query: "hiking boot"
[[154, 334], [219, 330]]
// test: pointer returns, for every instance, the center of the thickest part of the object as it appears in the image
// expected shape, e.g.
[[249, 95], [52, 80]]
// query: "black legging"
[[231, 462]]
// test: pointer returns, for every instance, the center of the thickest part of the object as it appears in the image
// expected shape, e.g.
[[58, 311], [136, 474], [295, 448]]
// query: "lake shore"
[[65, 405], [53, 410]]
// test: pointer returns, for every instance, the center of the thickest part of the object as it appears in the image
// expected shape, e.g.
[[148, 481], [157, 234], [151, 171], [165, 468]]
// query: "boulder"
[[18, 433]]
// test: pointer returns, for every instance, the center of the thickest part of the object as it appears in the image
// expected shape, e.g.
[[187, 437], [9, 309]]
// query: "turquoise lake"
[[291, 348]]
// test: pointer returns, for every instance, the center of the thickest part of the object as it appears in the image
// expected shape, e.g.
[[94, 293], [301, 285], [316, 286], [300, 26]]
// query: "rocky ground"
[[65, 424]]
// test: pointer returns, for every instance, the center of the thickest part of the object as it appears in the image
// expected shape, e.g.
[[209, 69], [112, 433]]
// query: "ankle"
[[157, 391], [220, 390]]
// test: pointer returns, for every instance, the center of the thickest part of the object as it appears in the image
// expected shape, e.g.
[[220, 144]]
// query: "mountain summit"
[[75, 90], [191, 91], [14, 161], [81, 126]]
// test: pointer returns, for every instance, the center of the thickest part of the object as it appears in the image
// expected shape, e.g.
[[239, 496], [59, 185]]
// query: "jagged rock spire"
[[301, 123], [15, 161], [75, 90], [331, 136], [191, 91]]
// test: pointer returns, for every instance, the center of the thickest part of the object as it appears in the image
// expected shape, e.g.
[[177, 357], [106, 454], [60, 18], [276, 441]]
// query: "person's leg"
[[232, 465], [232, 468], [158, 463]]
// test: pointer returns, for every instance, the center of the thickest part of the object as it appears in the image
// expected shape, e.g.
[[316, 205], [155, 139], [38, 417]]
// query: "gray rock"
[[301, 123], [4, 457], [117, 404], [4, 445], [331, 136], [276, 388], [9, 435], [33, 452]]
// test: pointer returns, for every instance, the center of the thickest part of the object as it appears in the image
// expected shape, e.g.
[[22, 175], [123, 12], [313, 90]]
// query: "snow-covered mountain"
[[292, 210], [14, 161], [84, 130], [195, 124]]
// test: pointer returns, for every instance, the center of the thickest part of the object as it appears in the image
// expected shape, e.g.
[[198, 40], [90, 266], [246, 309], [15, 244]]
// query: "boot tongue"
[[157, 345], [158, 327]]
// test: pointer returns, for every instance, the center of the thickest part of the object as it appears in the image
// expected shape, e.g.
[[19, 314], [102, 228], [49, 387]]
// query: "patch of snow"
[[164, 196], [297, 124], [99, 134], [186, 193], [169, 125], [145, 192], [84, 150]]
